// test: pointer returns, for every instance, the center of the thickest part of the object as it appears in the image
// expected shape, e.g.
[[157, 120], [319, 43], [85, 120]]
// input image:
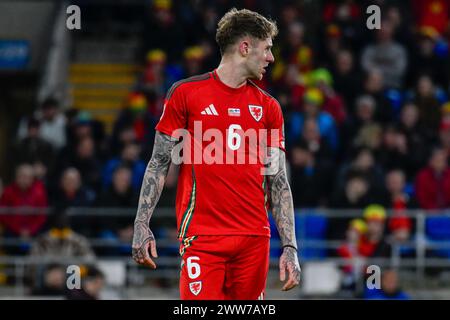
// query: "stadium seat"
[[438, 231], [311, 226]]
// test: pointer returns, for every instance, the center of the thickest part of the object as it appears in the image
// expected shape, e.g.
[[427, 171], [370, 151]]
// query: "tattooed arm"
[[283, 213], [152, 186]]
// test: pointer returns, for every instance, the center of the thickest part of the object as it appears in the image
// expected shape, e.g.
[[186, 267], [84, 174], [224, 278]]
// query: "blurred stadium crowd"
[[367, 124]]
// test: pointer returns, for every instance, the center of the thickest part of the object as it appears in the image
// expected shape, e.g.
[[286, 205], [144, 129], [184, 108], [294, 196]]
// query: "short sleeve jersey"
[[221, 186]]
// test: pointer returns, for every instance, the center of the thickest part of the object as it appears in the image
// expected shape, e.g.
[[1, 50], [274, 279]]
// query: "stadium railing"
[[428, 248]]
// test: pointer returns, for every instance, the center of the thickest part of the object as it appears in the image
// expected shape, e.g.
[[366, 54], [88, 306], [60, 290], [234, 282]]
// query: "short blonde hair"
[[236, 24]]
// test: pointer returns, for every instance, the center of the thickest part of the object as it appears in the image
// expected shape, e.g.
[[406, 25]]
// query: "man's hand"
[[144, 244], [289, 262]]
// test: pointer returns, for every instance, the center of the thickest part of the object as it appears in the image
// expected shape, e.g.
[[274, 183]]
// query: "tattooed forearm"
[[281, 200], [152, 186]]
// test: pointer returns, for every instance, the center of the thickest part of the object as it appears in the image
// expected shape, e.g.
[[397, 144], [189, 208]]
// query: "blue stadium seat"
[[311, 225], [437, 231], [275, 250]]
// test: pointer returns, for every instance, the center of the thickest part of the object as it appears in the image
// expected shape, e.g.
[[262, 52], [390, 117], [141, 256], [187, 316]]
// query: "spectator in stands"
[[313, 100], [71, 192], [425, 60], [81, 125], [120, 195], [316, 144], [353, 270], [25, 191], [397, 13], [390, 288], [163, 30], [33, 149], [123, 134], [168, 199], [129, 157], [333, 103], [416, 139], [193, 61], [309, 178], [364, 117], [53, 282], [61, 243], [432, 183], [429, 105], [53, 124], [373, 243], [347, 81], [432, 14], [394, 152], [296, 51], [293, 59], [363, 162], [157, 78], [444, 131], [345, 13], [386, 55], [85, 160], [397, 197], [400, 225], [374, 86], [355, 194], [135, 123], [332, 44], [92, 284], [369, 136]]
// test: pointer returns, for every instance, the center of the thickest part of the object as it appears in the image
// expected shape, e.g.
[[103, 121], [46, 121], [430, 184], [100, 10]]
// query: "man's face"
[[311, 131], [49, 112], [85, 148], [389, 281], [374, 82], [71, 181], [438, 160], [395, 181], [260, 56], [375, 227], [122, 180], [409, 115], [344, 62], [24, 177]]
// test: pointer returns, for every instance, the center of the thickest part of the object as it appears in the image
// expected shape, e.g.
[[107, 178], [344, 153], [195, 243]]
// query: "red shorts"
[[224, 267]]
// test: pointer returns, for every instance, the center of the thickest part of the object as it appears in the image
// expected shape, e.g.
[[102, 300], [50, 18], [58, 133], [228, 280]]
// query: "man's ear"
[[244, 47]]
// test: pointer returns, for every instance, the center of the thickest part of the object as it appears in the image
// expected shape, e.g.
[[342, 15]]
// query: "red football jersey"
[[221, 197]]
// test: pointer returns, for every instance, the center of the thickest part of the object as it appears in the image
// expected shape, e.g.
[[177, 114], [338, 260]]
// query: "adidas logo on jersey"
[[210, 110]]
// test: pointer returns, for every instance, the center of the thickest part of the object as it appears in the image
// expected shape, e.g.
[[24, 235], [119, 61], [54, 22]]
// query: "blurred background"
[[367, 117]]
